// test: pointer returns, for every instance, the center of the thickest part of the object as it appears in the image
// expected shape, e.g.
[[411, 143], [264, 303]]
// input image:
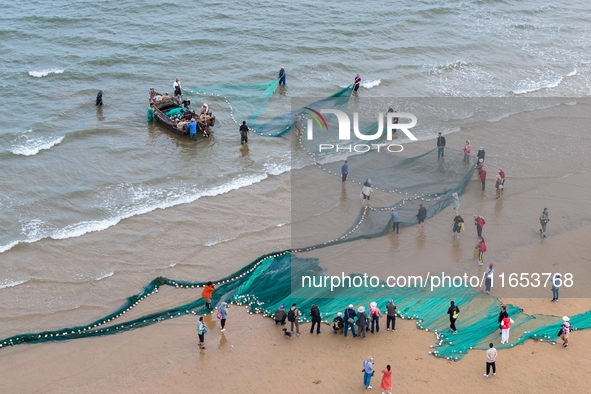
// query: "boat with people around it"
[[176, 114]]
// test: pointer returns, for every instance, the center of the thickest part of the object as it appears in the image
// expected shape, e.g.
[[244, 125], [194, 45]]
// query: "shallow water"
[[95, 202]]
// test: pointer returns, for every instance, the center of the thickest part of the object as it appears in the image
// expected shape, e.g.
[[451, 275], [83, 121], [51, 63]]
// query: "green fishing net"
[[268, 282]]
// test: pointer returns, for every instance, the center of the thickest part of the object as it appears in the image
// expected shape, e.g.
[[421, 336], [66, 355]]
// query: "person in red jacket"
[[505, 327], [207, 292], [483, 177], [479, 223], [481, 249]]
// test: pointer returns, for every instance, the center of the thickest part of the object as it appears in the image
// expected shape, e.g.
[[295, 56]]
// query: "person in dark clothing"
[[99, 98], [480, 154], [453, 312], [186, 102], [421, 216], [315, 314], [391, 315], [244, 131], [457, 226], [362, 321], [349, 320], [356, 83], [338, 324], [440, 145], [280, 315], [188, 114], [503, 314], [282, 76]]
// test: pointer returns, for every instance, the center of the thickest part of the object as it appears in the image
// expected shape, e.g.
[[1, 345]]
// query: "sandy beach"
[[254, 356]]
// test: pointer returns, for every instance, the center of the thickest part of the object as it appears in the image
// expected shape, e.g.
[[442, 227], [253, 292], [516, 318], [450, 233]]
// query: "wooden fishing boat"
[[165, 105]]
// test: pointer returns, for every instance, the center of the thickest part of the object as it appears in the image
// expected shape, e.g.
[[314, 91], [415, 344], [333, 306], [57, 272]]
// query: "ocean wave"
[[186, 197], [105, 275], [542, 85], [32, 146], [43, 73], [371, 84], [11, 283], [213, 242]]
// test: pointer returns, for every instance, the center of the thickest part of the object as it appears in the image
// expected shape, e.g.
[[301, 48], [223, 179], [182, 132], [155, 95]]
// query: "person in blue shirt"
[[192, 127], [282, 76], [395, 220], [344, 171], [99, 98]]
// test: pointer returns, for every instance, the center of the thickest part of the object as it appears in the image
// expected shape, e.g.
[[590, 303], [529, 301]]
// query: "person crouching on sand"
[[338, 324], [280, 315]]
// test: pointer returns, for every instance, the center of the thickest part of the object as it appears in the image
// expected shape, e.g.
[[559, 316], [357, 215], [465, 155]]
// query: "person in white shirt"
[[491, 357], [177, 87]]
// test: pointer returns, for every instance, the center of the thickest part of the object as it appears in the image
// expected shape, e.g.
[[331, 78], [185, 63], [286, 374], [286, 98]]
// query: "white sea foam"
[[545, 84], [105, 275], [43, 73], [11, 283], [367, 84], [184, 197], [371, 84], [32, 146]]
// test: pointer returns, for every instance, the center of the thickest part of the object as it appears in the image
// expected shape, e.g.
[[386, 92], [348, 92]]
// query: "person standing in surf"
[[356, 83], [282, 76], [440, 145], [151, 112], [178, 90], [244, 131], [344, 172], [99, 98], [467, 149], [366, 192], [421, 216]]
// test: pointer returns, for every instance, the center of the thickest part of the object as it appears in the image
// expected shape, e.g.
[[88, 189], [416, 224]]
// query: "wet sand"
[[165, 356]]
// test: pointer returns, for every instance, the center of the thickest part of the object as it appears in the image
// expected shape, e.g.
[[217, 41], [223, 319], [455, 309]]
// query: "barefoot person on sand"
[[386, 384]]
